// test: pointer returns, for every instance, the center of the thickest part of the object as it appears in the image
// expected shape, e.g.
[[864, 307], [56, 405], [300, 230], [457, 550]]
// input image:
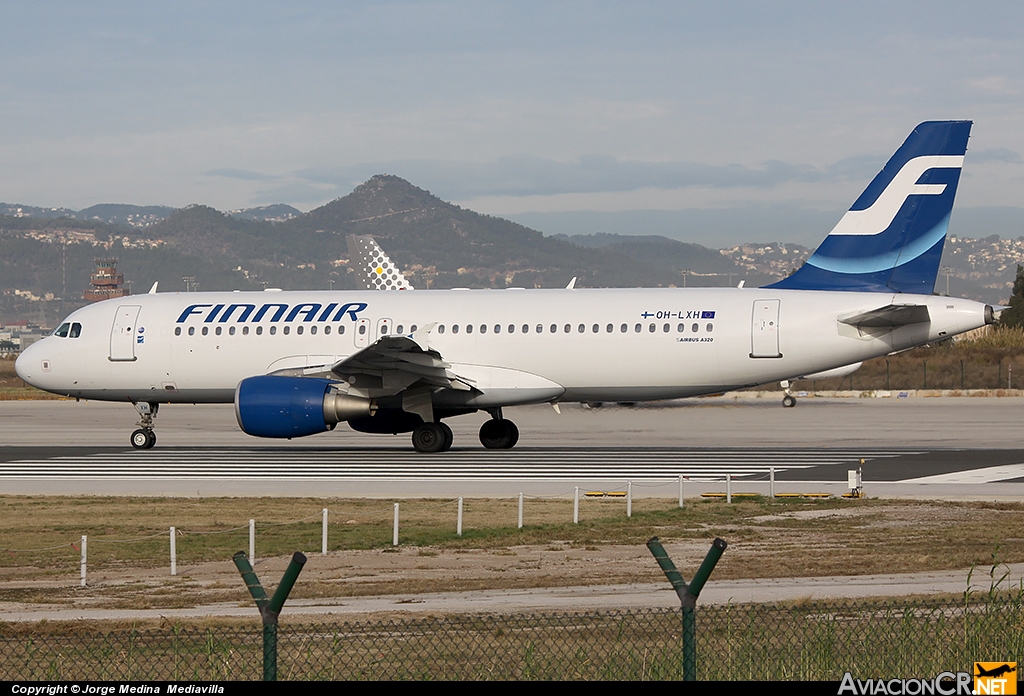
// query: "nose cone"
[[27, 365]]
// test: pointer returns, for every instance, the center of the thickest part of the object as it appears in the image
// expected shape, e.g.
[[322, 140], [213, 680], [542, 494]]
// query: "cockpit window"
[[62, 330], [76, 330]]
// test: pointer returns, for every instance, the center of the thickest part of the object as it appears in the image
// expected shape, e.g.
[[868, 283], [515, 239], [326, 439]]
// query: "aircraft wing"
[[890, 316], [393, 364]]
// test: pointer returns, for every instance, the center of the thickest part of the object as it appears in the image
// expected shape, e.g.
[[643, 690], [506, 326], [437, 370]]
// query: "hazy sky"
[[502, 107]]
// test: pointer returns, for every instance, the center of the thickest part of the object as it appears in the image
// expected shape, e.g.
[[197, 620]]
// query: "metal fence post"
[[174, 554], [323, 534], [252, 541], [629, 498], [394, 533], [458, 525], [85, 542], [576, 506], [520, 510]]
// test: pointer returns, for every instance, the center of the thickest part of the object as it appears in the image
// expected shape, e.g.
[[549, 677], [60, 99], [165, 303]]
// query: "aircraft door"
[[764, 330], [122, 333], [361, 333], [384, 328]]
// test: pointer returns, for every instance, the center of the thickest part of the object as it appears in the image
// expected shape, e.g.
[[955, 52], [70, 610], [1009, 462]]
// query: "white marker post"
[[323, 535], [629, 498], [728, 488], [771, 479], [680, 491], [576, 506], [85, 541], [252, 541], [174, 554], [394, 534], [458, 525], [520, 510]]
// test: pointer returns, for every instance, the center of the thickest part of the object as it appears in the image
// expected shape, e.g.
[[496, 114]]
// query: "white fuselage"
[[525, 345]]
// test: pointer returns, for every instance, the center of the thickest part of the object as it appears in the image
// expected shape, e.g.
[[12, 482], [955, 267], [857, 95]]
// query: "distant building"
[[106, 282]]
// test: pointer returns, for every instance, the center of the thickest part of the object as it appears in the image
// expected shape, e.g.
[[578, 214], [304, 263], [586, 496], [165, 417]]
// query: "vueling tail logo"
[[876, 218]]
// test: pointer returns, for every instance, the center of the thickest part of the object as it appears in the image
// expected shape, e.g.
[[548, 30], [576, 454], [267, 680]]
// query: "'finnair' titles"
[[296, 364]]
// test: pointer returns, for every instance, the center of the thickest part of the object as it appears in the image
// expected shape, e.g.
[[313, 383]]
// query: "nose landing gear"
[[144, 437]]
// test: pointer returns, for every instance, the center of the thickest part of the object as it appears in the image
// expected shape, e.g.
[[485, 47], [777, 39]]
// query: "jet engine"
[[275, 406]]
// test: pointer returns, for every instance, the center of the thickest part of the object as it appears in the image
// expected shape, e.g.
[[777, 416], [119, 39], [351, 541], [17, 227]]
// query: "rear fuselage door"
[[764, 330], [122, 333]]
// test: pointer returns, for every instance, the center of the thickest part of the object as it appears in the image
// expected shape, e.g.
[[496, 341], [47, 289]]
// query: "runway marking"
[[622, 463], [989, 474]]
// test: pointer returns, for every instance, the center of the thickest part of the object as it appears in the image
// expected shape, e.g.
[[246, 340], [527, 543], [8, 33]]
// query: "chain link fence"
[[808, 641]]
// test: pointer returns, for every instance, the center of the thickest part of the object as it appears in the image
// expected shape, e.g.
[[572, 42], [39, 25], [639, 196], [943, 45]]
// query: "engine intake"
[[286, 407]]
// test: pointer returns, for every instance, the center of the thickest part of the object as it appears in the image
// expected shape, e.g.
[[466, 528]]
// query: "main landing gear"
[[144, 437], [499, 433], [432, 437]]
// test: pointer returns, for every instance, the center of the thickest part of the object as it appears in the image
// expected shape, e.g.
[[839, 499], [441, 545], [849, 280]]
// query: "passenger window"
[[622, 328], [259, 330], [469, 328], [62, 330], [511, 328], [76, 330], [554, 328], [218, 330], [497, 328], [312, 330], [540, 328], [695, 328], [637, 328], [680, 328], [191, 331], [412, 329], [711, 328], [651, 328], [231, 331], [341, 330], [298, 330], [177, 330], [526, 328], [273, 330], [287, 330], [400, 329], [327, 330], [568, 328], [206, 330], [483, 328], [609, 328], [362, 329], [245, 330], [665, 328], [455, 328], [440, 329], [596, 328]]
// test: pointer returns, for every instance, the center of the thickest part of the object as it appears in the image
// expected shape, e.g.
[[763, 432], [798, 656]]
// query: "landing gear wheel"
[[449, 438], [499, 433], [431, 437], [143, 439], [789, 401]]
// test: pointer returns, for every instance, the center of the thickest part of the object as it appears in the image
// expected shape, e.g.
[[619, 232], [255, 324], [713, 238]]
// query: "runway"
[[923, 447]]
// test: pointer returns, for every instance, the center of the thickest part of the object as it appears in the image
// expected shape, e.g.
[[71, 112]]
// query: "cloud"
[[594, 173], [243, 174], [998, 154]]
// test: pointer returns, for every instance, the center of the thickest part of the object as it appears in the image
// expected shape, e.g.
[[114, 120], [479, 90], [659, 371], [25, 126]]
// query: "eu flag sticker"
[[707, 315]]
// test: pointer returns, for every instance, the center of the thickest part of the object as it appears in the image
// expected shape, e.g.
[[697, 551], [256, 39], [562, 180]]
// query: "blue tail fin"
[[891, 239]]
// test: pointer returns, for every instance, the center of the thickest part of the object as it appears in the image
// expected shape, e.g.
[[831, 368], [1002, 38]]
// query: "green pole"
[[270, 609], [688, 596]]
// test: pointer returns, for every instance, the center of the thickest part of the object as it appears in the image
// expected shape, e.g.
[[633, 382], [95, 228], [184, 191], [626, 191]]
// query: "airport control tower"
[[106, 281]]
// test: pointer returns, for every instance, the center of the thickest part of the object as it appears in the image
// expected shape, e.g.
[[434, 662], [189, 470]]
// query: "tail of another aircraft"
[[376, 271], [891, 239]]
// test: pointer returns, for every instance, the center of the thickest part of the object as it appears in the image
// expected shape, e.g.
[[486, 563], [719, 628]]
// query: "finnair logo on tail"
[[877, 218]]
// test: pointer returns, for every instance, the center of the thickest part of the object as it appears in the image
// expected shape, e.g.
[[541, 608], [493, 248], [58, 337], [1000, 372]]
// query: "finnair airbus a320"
[[299, 363]]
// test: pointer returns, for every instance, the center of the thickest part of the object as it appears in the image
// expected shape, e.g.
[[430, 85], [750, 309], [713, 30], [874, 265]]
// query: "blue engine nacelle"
[[273, 406]]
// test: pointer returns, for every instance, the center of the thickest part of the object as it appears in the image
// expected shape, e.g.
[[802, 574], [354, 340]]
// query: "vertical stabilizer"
[[891, 239], [373, 267]]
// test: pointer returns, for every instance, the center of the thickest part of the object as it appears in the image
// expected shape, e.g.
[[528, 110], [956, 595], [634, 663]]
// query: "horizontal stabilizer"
[[890, 316]]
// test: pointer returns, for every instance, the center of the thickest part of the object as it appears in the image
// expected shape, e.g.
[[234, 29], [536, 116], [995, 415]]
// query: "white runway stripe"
[[987, 475], [637, 464]]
